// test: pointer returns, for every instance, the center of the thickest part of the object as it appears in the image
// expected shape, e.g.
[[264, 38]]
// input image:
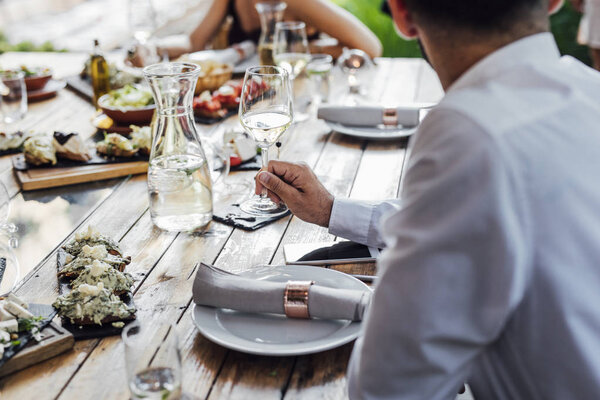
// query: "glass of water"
[[319, 71], [14, 96], [152, 360]]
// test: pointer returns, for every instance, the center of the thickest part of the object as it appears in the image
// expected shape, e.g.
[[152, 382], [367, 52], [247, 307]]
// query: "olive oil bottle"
[[99, 73]]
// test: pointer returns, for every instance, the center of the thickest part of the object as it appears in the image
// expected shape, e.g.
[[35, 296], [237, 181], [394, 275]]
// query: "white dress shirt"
[[492, 269]]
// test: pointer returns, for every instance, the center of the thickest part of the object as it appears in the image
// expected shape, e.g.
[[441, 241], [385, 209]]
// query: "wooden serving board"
[[41, 178], [55, 340]]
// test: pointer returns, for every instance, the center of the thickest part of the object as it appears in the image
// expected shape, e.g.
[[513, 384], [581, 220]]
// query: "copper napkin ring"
[[390, 117], [295, 299]]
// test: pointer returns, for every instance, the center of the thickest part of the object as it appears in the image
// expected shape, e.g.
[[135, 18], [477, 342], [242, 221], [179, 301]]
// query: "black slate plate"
[[81, 332], [232, 215], [10, 151], [43, 310], [20, 164], [208, 121], [253, 164]]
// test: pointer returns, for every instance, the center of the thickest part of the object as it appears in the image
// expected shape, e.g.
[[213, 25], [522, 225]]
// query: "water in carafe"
[[179, 183]]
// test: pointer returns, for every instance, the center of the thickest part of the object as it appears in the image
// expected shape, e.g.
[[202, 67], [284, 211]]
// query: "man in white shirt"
[[491, 273]]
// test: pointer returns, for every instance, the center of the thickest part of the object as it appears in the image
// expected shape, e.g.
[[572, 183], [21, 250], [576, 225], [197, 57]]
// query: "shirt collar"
[[533, 49]]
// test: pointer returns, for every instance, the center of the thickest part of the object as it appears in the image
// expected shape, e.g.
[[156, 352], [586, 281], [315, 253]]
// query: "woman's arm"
[[207, 28], [336, 22]]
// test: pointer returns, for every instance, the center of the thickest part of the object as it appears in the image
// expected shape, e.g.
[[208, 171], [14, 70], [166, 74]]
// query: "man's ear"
[[554, 6], [403, 20]]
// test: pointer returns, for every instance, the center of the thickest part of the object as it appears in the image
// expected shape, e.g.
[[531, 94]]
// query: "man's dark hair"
[[483, 15]]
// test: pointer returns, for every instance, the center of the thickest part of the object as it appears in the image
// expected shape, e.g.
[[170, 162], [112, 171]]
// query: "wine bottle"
[[100, 73]]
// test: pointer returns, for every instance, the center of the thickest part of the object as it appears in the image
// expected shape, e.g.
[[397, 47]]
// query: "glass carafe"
[[270, 12], [179, 182]]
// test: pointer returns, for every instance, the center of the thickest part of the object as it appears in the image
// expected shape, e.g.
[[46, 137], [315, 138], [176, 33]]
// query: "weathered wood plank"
[[320, 376]]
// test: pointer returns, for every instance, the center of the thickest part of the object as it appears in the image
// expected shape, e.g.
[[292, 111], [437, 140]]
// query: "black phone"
[[344, 252]]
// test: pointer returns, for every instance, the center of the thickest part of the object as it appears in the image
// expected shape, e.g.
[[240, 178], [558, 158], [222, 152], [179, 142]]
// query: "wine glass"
[[265, 113], [290, 52]]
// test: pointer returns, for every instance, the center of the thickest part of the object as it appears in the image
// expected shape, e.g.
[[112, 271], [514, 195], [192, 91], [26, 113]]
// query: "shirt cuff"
[[351, 220]]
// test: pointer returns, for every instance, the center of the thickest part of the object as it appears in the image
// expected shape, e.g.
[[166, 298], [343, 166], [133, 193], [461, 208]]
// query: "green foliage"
[[564, 27], [24, 46], [369, 12]]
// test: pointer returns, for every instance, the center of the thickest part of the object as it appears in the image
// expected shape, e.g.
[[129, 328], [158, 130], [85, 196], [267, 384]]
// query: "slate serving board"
[[233, 216]]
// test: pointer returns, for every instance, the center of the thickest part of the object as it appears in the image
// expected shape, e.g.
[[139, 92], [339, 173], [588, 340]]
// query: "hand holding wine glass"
[[265, 113]]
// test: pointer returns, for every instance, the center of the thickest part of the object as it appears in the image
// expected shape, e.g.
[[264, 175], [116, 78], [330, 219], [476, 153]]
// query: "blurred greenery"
[[564, 27], [24, 46]]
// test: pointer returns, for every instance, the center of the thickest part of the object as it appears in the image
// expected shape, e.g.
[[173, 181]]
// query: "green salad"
[[129, 97]]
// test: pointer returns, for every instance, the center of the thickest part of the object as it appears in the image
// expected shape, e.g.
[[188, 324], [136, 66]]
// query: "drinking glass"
[[318, 70], [14, 96], [290, 52], [9, 268], [7, 228], [358, 68], [142, 25], [152, 360], [142, 20], [265, 113]]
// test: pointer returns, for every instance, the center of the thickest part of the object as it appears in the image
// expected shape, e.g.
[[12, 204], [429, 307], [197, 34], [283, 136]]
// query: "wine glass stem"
[[264, 155]]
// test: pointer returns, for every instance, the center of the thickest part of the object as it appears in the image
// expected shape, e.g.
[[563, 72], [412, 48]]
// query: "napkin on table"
[[367, 115], [217, 288]]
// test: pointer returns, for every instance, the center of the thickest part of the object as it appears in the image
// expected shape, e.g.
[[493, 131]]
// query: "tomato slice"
[[234, 161]]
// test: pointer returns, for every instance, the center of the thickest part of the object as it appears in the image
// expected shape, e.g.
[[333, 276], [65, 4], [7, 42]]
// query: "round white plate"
[[277, 335], [367, 132]]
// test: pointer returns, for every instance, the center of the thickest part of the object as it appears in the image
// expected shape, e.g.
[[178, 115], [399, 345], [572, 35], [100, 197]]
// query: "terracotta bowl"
[[37, 82], [127, 116]]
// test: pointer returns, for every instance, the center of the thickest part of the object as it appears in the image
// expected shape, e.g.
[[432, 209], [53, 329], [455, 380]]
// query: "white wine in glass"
[[265, 113], [266, 127], [293, 63]]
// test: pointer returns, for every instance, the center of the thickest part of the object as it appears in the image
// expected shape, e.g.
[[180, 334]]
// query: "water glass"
[[14, 96], [319, 71], [152, 360]]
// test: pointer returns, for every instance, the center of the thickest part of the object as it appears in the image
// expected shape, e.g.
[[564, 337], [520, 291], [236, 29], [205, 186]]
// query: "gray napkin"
[[217, 288], [366, 115]]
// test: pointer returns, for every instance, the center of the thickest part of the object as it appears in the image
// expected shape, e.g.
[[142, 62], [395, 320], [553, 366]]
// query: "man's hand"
[[299, 188]]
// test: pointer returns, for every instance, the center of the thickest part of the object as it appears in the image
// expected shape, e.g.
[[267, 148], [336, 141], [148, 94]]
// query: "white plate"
[[277, 335], [367, 132]]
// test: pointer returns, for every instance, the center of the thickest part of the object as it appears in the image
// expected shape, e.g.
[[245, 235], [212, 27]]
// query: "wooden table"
[[163, 263]]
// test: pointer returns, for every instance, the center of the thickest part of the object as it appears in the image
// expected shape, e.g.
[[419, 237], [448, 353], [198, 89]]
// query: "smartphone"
[[325, 253]]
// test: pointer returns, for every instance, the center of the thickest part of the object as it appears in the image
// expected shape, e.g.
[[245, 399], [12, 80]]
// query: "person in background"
[[490, 274], [589, 29], [320, 16]]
